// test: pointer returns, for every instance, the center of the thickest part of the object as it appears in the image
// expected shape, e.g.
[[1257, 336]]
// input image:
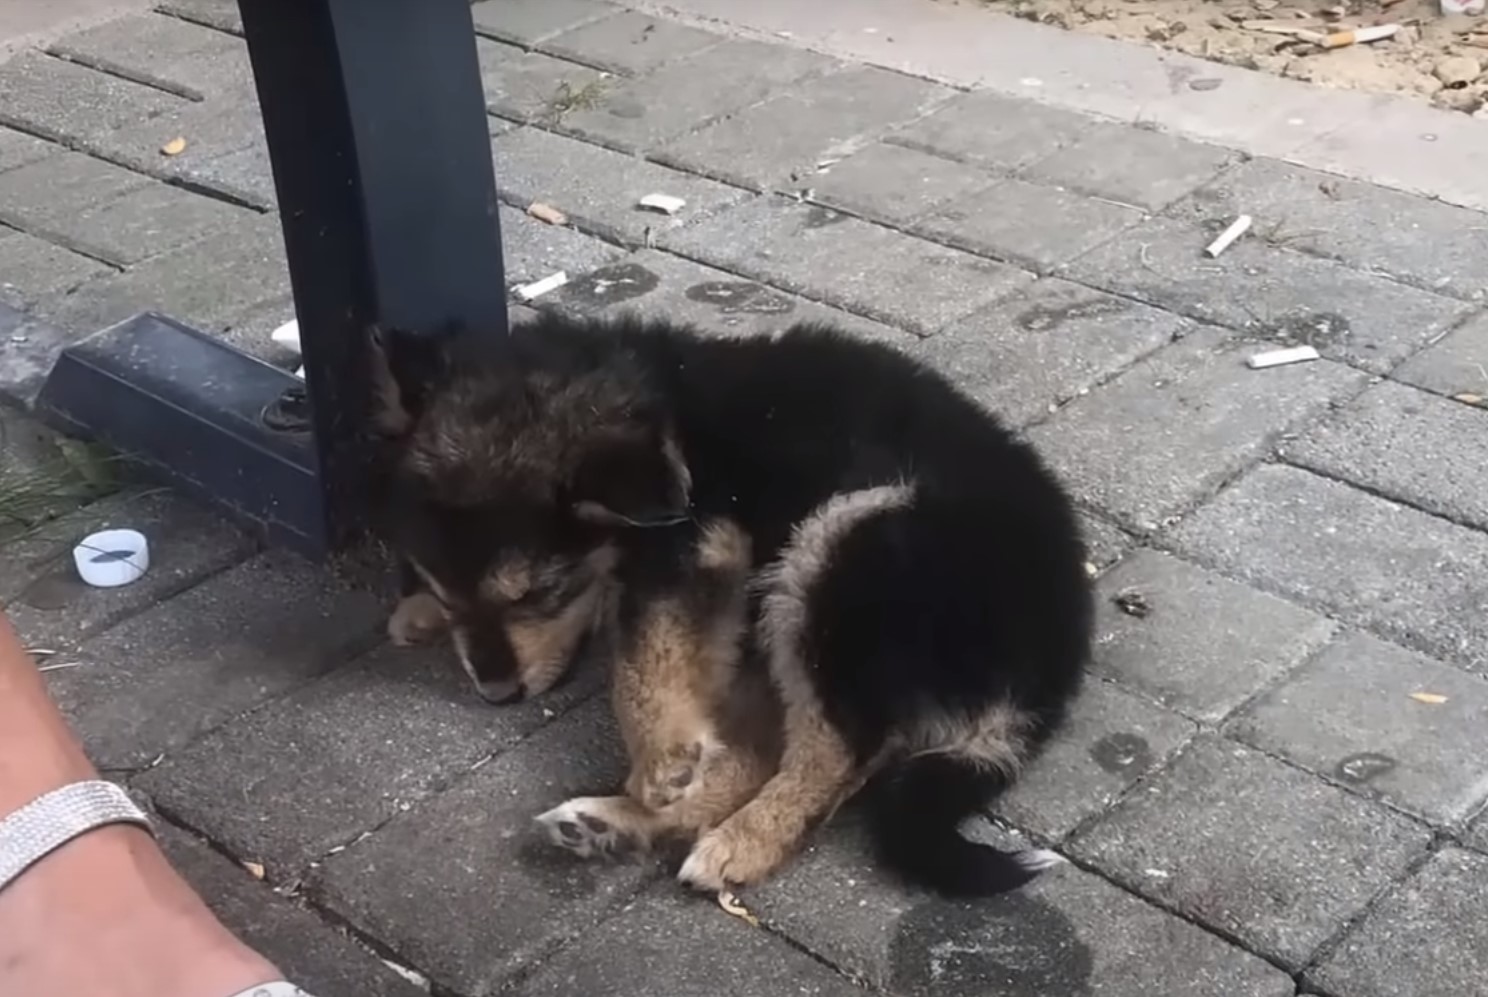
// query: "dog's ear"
[[402, 365], [633, 480]]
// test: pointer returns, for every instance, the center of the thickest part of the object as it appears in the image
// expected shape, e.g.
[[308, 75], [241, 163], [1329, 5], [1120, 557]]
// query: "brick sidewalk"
[[1254, 804]]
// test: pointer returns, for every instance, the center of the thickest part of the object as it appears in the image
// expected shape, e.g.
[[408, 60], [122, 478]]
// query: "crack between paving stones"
[[63, 242], [1163, 542], [1333, 942], [86, 148], [292, 894], [1297, 463], [109, 68], [186, 17]]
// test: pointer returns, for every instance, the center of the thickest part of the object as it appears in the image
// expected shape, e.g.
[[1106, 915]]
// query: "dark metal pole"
[[381, 153]]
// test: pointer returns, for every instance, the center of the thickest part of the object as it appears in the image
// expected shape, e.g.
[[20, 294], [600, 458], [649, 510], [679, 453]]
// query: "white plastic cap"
[[112, 558]]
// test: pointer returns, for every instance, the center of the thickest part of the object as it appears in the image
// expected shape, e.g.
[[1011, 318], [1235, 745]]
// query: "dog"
[[821, 569]]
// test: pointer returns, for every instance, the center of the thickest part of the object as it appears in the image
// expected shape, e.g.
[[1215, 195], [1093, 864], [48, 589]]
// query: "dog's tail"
[[915, 809]]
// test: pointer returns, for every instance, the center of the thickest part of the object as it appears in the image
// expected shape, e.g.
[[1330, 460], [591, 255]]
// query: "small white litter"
[[1237, 228], [665, 203], [540, 287], [1280, 358], [112, 558], [288, 334]]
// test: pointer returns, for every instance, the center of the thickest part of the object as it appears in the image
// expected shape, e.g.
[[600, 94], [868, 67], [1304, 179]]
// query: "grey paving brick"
[[211, 285], [342, 755], [1409, 576], [28, 349], [773, 143], [225, 146], [526, 22], [1429, 758], [1270, 855], [1026, 355], [1426, 937], [50, 605], [530, 86], [1270, 292], [1111, 740], [599, 189], [682, 946], [533, 249], [1456, 365], [894, 183], [68, 102], [1408, 445], [1423, 242], [1028, 224], [629, 42], [165, 52], [304, 947], [18, 149], [1207, 643], [139, 223], [50, 191], [245, 174], [993, 131], [1067, 933], [1104, 543], [157, 682], [661, 285], [1132, 165], [425, 883], [643, 113], [32, 269], [1201, 416], [829, 256], [220, 14]]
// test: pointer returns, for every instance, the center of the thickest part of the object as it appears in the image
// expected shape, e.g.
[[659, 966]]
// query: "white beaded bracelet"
[[280, 989], [55, 818]]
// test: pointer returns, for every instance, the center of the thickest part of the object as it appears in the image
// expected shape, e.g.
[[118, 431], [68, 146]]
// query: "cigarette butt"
[[1357, 36], [1237, 228], [547, 213], [1280, 358], [539, 287]]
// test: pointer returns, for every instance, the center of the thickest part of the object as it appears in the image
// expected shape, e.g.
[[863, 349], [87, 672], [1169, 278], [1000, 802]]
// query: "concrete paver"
[[1371, 562], [1430, 758], [1407, 445], [866, 269], [1425, 937], [1194, 641], [1068, 933], [1202, 416], [1246, 784], [779, 143], [495, 876], [1265, 853]]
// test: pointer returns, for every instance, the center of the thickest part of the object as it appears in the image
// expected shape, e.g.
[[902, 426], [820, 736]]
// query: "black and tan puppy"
[[917, 591]]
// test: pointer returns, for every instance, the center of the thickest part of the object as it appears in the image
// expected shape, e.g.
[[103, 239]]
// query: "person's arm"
[[105, 915]]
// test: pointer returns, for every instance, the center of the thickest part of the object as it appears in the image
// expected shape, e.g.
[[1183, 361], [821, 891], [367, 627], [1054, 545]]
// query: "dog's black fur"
[[958, 593]]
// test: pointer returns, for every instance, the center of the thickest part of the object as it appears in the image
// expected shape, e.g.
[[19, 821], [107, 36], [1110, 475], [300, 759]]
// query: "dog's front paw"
[[589, 827], [726, 857], [417, 619]]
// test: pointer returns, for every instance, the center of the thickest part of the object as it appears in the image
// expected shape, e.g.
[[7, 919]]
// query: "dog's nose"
[[500, 691]]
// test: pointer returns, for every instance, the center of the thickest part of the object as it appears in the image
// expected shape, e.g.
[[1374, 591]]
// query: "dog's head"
[[507, 468]]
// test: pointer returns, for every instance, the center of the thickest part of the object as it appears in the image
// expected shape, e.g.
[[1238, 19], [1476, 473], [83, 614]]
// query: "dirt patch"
[[1441, 57]]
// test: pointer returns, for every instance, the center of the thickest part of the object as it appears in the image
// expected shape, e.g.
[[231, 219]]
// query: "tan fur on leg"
[[417, 619], [817, 773]]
